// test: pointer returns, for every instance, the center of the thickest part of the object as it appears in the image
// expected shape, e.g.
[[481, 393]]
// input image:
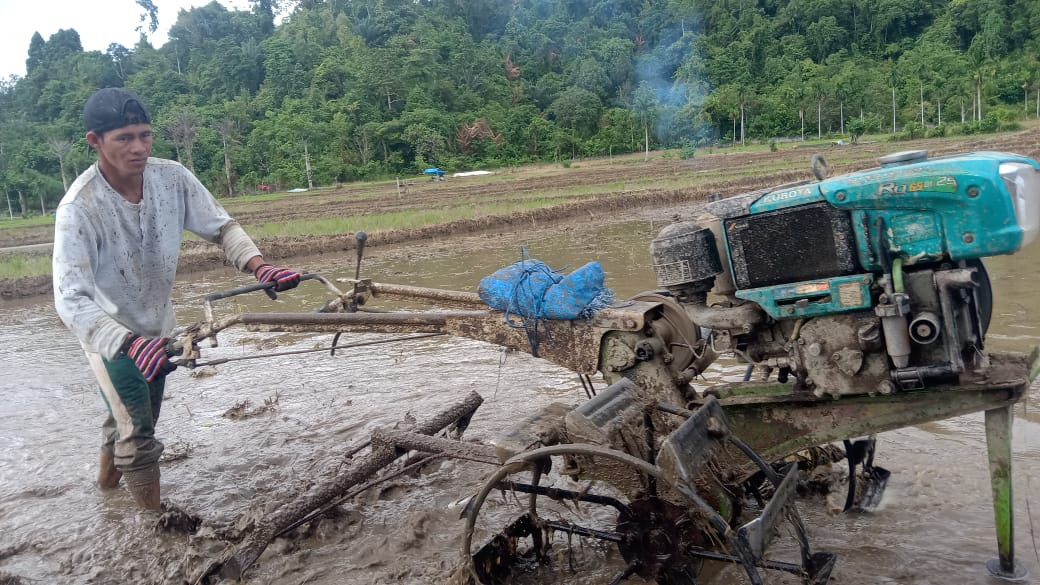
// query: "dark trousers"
[[133, 409]]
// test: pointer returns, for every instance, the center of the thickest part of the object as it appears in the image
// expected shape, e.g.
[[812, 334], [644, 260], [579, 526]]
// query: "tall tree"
[[228, 130], [183, 130], [60, 148], [150, 16], [645, 104], [35, 59]]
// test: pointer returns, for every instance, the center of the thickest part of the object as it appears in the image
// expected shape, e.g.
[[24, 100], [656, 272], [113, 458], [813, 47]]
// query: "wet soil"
[[935, 525], [617, 186]]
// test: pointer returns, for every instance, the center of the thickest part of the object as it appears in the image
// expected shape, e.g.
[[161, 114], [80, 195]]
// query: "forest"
[[315, 92]]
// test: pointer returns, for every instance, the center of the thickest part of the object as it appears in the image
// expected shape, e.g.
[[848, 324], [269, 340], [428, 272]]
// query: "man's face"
[[123, 151]]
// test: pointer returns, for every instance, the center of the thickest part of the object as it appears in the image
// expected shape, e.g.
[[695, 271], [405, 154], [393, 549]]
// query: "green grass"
[[19, 266], [32, 221], [338, 225]]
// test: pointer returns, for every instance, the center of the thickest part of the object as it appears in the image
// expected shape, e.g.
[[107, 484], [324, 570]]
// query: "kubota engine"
[[864, 283]]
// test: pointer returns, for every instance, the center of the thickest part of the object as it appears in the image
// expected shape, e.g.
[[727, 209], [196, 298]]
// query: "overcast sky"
[[98, 22]]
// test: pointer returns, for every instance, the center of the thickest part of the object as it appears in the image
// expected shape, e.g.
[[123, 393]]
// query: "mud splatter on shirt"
[[115, 262]]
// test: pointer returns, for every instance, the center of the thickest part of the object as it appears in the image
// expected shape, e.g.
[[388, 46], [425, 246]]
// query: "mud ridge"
[[285, 248], [197, 255], [29, 286]]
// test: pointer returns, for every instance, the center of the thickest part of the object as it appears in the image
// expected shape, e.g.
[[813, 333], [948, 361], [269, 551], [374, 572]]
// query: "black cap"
[[114, 107]]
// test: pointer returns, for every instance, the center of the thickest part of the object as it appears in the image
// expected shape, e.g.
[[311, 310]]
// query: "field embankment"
[[289, 225]]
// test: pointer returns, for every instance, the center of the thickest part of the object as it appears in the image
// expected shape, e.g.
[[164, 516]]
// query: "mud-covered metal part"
[[819, 572], [193, 363], [614, 418], [776, 421], [264, 286], [709, 421], [740, 316], [544, 427], [603, 417], [563, 494], [998, 446], [866, 485], [958, 334], [657, 380], [494, 562], [656, 539], [660, 539], [954, 306], [892, 309], [361, 238], [366, 290], [710, 520], [690, 355], [684, 453], [685, 258], [834, 358], [572, 344], [756, 534], [248, 551]]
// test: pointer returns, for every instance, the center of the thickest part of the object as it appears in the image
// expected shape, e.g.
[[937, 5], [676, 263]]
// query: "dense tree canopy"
[[346, 89]]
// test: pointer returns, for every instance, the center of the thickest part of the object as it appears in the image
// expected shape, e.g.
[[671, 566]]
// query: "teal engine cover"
[[953, 208], [810, 249]]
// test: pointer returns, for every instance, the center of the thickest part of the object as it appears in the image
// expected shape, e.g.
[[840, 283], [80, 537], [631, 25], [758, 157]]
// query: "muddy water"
[[935, 525]]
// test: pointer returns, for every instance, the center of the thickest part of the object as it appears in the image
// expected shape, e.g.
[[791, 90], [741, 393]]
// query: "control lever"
[[264, 286], [361, 237]]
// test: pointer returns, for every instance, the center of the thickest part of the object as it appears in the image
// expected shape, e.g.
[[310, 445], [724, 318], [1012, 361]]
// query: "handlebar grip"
[[361, 238], [265, 286]]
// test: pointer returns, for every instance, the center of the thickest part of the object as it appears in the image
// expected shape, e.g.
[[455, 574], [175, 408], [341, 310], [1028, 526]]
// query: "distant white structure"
[[472, 174]]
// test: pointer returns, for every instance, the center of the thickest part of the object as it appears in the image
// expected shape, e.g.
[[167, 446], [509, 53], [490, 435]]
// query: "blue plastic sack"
[[533, 290]]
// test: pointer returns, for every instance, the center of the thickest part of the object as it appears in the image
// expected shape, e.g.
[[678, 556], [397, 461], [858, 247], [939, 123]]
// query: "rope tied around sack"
[[535, 292], [529, 320]]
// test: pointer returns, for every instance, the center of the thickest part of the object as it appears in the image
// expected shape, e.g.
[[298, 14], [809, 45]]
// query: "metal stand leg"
[[998, 444]]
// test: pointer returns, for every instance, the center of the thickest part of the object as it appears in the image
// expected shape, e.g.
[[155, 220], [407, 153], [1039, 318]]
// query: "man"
[[117, 239]]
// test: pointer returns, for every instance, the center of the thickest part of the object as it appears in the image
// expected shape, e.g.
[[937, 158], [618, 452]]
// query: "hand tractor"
[[859, 304]]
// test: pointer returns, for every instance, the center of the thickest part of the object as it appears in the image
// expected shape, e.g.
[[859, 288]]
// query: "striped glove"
[[149, 355], [285, 278]]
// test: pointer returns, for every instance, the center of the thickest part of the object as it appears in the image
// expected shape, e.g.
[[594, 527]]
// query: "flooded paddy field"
[[243, 436]]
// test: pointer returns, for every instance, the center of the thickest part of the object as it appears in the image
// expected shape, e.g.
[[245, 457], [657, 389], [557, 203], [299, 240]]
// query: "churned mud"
[[935, 525], [246, 408]]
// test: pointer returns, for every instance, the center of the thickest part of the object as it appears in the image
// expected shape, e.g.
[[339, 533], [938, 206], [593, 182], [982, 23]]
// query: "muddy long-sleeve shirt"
[[115, 261]]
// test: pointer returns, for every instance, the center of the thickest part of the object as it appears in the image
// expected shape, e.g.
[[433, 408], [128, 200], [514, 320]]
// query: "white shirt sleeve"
[[207, 219], [75, 299], [238, 246]]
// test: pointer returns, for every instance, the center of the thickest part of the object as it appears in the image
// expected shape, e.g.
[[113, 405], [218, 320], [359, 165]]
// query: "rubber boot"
[[108, 475], [144, 486]]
